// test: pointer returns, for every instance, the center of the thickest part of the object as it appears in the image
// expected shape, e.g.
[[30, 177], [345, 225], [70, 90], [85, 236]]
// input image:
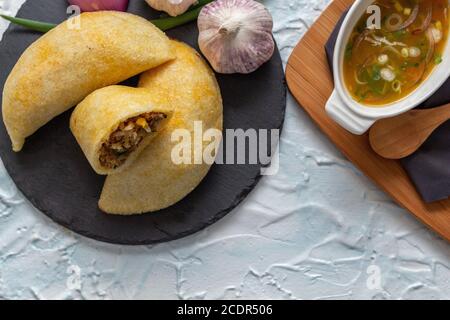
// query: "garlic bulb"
[[236, 35], [172, 7]]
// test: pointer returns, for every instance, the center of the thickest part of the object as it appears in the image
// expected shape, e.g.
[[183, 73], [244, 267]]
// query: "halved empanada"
[[114, 124], [155, 181]]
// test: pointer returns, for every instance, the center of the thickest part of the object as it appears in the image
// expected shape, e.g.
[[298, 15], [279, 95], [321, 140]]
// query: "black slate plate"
[[53, 174]]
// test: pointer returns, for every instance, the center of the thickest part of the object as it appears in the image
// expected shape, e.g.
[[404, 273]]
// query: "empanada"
[[114, 124], [66, 64]]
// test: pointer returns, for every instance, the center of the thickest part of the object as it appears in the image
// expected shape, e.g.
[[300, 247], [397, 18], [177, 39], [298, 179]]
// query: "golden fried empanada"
[[66, 64]]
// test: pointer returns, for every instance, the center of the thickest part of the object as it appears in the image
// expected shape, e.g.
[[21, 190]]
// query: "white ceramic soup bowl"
[[357, 117]]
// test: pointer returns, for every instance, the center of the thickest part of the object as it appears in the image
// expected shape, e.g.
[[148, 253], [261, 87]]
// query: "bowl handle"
[[346, 118]]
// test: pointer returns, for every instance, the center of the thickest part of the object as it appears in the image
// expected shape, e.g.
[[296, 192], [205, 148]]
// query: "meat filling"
[[127, 137]]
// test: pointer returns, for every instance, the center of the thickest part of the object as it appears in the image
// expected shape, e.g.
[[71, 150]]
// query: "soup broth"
[[388, 58]]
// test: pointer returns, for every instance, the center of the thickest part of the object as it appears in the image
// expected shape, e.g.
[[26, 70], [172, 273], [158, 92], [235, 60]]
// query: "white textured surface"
[[311, 232]]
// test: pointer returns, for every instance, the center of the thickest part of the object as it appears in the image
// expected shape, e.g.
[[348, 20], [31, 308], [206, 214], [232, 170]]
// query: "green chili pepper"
[[30, 24], [172, 22], [162, 23]]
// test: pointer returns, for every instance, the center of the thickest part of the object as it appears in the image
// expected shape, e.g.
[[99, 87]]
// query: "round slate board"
[[54, 175]]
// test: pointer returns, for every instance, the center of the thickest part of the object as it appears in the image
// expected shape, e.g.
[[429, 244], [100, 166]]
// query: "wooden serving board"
[[310, 82]]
